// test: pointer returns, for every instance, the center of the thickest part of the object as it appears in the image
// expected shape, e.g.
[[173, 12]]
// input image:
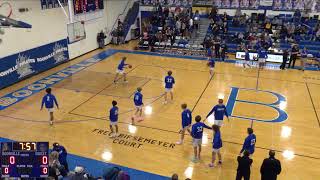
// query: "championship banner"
[[19, 66], [234, 4]]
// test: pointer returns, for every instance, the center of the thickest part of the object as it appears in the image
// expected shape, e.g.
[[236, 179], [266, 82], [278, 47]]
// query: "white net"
[[76, 31]]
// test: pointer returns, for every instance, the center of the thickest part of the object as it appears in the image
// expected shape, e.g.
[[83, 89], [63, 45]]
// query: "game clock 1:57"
[[24, 159]]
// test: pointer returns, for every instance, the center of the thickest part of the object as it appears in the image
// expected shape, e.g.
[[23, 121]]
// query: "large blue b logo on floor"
[[282, 115]]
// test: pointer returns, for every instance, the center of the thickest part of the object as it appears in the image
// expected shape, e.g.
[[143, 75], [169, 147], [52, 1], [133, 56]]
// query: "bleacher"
[[312, 46]]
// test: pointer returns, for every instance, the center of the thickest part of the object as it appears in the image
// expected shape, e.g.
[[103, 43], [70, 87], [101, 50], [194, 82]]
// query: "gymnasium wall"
[[49, 25]]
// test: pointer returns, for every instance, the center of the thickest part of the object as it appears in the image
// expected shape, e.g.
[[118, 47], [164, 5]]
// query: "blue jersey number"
[[200, 129], [253, 141]]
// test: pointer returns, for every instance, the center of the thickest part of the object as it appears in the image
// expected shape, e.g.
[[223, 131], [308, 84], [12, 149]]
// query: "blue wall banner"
[[19, 66]]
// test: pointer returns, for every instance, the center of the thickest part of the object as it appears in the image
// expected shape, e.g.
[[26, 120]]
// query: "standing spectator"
[[196, 19], [120, 35], [304, 56], [244, 165], [246, 58], [178, 25], [119, 23], [249, 142], [62, 155], [284, 60], [100, 38], [271, 167], [223, 50], [293, 57], [217, 48]]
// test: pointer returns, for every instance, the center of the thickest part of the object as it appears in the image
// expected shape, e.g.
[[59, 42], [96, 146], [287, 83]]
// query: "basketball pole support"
[[70, 17]]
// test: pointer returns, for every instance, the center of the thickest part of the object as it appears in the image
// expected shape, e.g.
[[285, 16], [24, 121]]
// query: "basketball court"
[[85, 97]]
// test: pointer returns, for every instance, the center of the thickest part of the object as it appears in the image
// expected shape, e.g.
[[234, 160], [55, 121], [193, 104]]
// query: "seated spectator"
[[79, 174], [268, 27], [174, 177], [56, 170]]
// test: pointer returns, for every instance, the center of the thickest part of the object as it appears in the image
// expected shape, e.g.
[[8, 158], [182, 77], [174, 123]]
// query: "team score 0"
[[5, 170], [45, 170]]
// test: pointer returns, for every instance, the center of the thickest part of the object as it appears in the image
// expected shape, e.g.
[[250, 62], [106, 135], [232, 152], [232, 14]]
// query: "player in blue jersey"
[[197, 133], [169, 82], [211, 64], [249, 142], [113, 116], [137, 99], [209, 52], [246, 61], [186, 117], [49, 101], [216, 145], [120, 70], [263, 55], [219, 111]]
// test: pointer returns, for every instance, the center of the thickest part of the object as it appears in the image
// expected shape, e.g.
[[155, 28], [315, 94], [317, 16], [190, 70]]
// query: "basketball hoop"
[[10, 8]]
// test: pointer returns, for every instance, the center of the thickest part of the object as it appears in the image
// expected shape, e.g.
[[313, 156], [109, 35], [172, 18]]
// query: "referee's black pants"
[[240, 175], [293, 59]]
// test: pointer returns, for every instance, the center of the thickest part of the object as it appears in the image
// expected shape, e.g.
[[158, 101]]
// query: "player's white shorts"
[[262, 60], [215, 150], [113, 123], [211, 68], [196, 142], [186, 127], [120, 71], [218, 122], [139, 107], [50, 110], [168, 90]]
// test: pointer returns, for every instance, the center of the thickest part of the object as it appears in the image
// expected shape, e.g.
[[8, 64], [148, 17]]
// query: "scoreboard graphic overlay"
[[24, 159]]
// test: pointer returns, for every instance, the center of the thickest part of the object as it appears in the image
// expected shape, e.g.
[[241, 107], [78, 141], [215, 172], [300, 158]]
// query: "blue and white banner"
[[27, 63]]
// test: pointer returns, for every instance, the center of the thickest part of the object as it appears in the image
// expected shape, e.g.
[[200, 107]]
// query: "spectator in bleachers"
[[297, 16], [196, 20], [271, 167]]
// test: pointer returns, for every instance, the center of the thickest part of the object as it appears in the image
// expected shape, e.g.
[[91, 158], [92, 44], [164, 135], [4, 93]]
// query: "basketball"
[[208, 63], [130, 66]]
